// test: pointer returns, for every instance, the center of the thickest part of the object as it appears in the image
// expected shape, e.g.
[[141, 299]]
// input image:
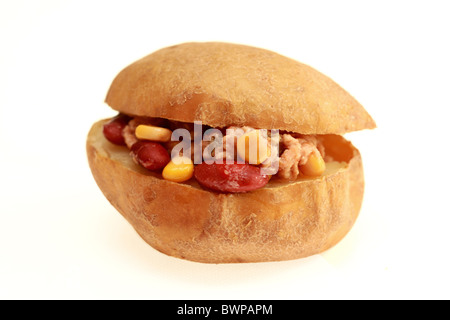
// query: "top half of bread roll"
[[223, 84]]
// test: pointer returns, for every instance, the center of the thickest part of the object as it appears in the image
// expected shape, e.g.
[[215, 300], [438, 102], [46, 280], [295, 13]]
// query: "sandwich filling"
[[229, 160]]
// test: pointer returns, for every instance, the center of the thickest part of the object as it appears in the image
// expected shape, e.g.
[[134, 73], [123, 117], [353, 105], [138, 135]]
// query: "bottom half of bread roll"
[[282, 221]]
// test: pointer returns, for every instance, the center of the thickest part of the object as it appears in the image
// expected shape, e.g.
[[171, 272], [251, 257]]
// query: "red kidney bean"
[[151, 155], [233, 178], [113, 129]]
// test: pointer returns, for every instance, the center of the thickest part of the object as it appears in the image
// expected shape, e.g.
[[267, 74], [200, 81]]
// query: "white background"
[[61, 239]]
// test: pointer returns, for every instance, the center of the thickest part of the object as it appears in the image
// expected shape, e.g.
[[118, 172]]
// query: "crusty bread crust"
[[281, 221], [223, 84]]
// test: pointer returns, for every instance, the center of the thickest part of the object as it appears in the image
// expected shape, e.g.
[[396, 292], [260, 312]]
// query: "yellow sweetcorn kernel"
[[253, 147], [152, 133], [315, 165], [179, 169]]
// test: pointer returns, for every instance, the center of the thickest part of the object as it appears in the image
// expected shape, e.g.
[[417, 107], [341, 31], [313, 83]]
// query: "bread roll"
[[224, 84]]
